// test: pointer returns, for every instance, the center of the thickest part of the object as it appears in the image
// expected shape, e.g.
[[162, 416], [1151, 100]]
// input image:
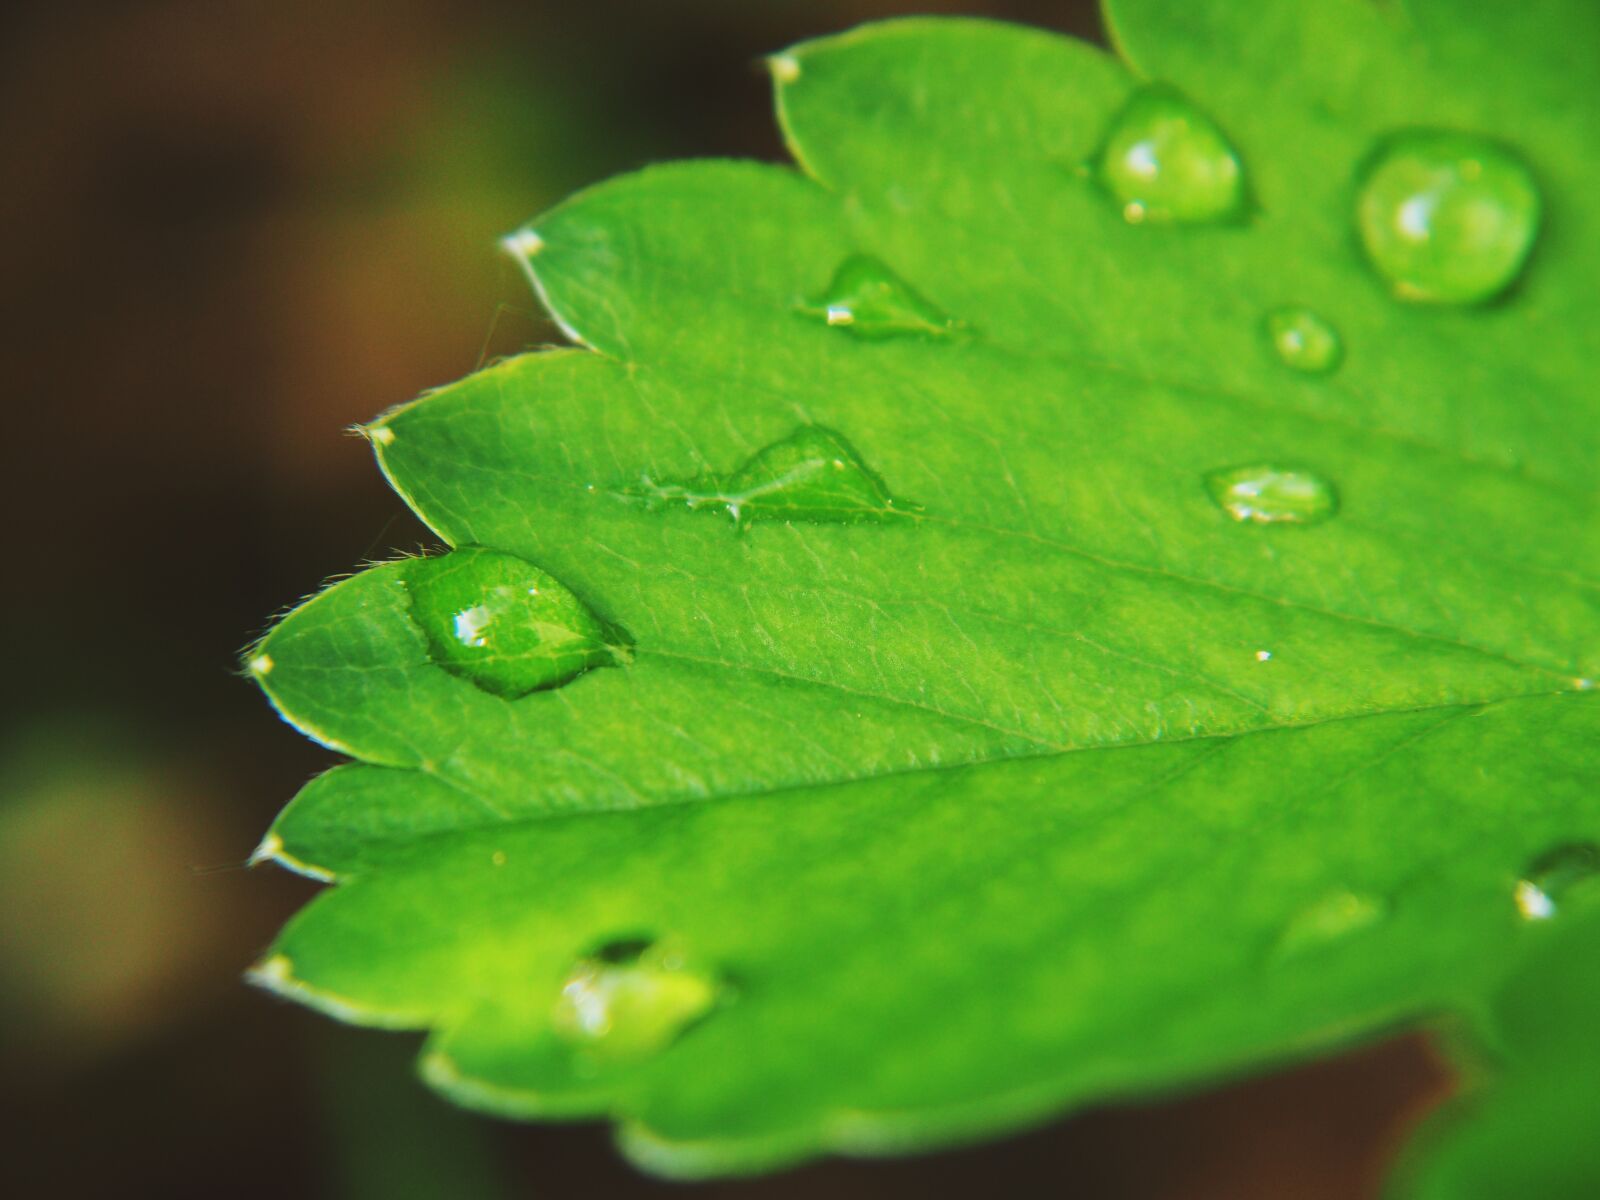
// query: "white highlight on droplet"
[[261, 664], [785, 68], [1533, 902], [1263, 655], [381, 434]]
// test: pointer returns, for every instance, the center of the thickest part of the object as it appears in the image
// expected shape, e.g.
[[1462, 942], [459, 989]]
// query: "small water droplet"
[[381, 434], [631, 1000], [1270, 494], [523, 244], [811, 475], [1447, 217], [261, 664], [1165, 161], [1336, 915], [1263, 655], [504, 624], [1303, 340], [872, 302], [1553, 878], [785, 68]]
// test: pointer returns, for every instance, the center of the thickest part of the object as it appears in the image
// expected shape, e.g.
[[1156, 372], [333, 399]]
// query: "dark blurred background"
[[229, 231]]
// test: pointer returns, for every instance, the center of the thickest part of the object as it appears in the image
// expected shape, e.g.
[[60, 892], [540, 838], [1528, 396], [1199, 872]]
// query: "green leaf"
[[1082, 699]]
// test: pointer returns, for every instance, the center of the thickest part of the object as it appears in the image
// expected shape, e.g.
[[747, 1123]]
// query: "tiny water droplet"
[[811, 475], [1447, 218], [1554, 877], [1165, 161], [1270, 494], [261, 664], [1303, 340], [1336, 915], [631, 1000], [381, 434], [872, 302], [504, 624], [1263, 655]]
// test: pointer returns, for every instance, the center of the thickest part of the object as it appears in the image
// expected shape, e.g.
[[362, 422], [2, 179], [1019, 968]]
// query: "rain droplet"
[[631, 1000], [1447, 217], [509, 627], [811, 475], [1303, 340], [1553, 877], [1334, 916], [1271, 494], [1165, 161], [872, 302]]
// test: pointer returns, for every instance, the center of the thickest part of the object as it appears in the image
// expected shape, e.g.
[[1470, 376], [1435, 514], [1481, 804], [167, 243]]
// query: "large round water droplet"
[[1269, 494], [1447, 217], [499, 621], [1303, 340], [1163, 160], [1555, 877], [631, 1000]]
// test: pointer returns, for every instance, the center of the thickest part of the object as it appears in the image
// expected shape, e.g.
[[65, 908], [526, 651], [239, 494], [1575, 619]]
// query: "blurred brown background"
[[231, 230]]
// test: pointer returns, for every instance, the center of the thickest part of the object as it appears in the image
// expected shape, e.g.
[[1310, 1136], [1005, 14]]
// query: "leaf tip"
[[522, 245], [784, 68]]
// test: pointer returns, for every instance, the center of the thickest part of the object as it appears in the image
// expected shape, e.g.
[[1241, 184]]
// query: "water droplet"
[[1334, 916], [812, 475], [872, 302], [261, 664], [1263, 655], [1554, 877], [1269, 494], [1165, 161], [631, 1000], [499, 621], [1447, 217], [1303, 340]]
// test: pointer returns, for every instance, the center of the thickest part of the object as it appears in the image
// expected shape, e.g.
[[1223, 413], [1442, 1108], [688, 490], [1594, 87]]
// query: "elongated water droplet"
[[1555, 877], [1303, 340], [631, 1000], [1447, 217], [811, 475], [1165, 161], [501, 622], [872, 302], [1336, 915], [1268, 494]]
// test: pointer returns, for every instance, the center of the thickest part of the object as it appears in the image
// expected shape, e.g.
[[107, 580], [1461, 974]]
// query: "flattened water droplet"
[[1165, 161], [1303, 340], [1270, 494], [1556, 877], [872, 302], [631, 1000], [501, 622], [1447, 217], [1336, 915], [811, 475]]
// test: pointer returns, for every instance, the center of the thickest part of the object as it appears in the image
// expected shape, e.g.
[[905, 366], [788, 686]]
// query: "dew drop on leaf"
[[869, 300], [1165, 161], [1270, 494], [814, 474], [1303, 340], [1555, 876], [504, 624], [631, 1000], [1447, 218], [1334, 916]]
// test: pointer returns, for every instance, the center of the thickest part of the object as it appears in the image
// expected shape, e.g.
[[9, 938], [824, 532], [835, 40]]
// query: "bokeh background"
[[229, 230]]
